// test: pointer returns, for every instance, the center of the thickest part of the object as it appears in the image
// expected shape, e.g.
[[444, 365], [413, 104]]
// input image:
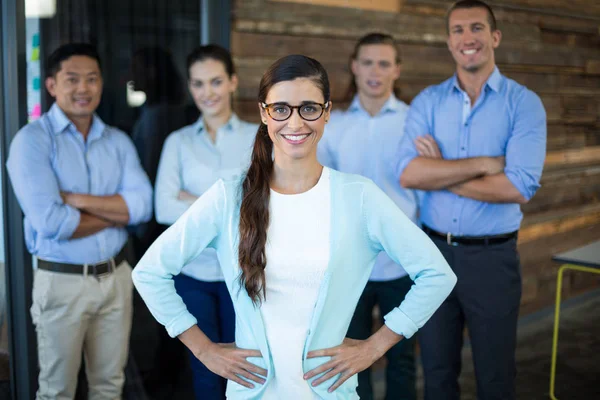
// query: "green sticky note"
[[35, 54]]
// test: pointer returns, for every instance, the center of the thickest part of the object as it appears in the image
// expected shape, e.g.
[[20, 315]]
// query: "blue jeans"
[[400, 371], [211, 304]]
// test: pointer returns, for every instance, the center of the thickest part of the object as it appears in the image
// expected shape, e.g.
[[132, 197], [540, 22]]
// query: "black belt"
[[95, 270], [471, 240]]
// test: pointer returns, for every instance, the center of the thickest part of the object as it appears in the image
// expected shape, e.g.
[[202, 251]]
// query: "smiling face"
[[77, 87], [375, 70], [295, 138], [471, 40], [211, 87]]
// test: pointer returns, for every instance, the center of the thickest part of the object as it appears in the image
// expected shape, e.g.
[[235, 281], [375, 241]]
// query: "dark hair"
[[66, 51], [466, 4], [254, 211], [214, 52], [155, 74], [371, 38]]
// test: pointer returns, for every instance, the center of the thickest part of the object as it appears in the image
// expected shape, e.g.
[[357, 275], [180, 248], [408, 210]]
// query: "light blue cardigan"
[[364, 222]]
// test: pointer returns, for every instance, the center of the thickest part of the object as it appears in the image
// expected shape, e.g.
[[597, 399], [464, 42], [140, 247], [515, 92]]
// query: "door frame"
[[215, 19], [18, 261]]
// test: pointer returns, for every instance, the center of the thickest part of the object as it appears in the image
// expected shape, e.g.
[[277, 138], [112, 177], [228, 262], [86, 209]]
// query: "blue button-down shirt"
[[506, 120], [356, 142], [190, 161], [50, 156]]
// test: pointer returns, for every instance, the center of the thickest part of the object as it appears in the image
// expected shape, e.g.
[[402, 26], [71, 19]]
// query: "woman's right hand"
[[228, 361]]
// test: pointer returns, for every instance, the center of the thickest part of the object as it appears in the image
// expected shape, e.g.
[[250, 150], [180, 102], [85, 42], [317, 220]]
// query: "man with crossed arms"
[[79, 183], [476, 145]]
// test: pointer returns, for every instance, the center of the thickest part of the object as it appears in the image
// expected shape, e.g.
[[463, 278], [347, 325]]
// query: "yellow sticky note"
[[35, 54]]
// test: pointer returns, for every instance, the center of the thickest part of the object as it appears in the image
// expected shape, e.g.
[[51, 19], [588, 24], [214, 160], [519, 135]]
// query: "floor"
[[578, 368], [578, 362]]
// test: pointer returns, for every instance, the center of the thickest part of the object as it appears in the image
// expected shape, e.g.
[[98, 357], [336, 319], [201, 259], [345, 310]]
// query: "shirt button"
[[462, 148], [454, 220]]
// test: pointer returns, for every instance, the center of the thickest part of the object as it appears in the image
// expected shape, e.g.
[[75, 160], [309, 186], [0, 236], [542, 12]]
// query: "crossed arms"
[[511, 177], [97, 212], [479, 178], [58, 215]]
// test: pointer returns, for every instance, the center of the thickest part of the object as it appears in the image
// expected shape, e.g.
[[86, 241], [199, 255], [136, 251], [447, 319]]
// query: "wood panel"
[[379, 5], [573, 157], [549, 223], [550, 46], [576, 9], [592, 67], [540, 272], [569, 188], [564, 136], [313, 20]]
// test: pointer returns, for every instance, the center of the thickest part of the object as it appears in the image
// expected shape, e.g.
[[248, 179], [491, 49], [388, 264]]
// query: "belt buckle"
[[449, 240], [111, 269]]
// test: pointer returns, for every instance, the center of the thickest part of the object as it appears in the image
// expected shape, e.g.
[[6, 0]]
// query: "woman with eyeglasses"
[[296, 243], [217, 146]]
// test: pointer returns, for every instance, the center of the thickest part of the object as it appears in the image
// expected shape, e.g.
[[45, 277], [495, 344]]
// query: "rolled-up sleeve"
[[526, 148], [135, 187], [391, 231], [416, 124], [197, 229], [36, 186], [168, 207]]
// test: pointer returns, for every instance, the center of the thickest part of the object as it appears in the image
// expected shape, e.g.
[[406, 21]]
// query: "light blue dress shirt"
[[364, 222], [355, 142], [50, 156], [190, 161], [506, 120]]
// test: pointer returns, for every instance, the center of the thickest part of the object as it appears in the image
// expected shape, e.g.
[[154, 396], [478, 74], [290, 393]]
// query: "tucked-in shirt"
[[358, 143], [50, 156], [364, 222], [506, 120], [297, 253], [192, 162]]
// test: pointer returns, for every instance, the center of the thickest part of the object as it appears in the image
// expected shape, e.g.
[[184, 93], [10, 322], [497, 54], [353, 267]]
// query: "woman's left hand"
[[347, 359]]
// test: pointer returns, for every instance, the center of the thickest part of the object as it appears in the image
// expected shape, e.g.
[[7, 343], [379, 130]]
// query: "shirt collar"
[[493, 82], [392, 104], [232, 125], [60, 122]]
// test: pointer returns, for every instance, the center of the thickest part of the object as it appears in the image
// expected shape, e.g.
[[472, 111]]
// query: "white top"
[[190, 161], [358, 143], [297, 253]]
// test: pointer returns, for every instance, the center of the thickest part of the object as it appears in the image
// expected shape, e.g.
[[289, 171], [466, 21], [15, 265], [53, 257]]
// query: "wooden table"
[[583, 259]]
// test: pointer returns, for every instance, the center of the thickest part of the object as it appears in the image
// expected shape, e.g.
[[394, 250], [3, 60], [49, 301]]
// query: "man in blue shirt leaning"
[[79, 183], [476, 144], [364, 140]]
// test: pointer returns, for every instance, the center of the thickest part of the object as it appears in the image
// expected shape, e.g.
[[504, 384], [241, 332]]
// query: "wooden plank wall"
[[551, 46]]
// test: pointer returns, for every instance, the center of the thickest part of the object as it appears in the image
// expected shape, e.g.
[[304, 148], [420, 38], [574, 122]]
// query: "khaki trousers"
[[77, 313]]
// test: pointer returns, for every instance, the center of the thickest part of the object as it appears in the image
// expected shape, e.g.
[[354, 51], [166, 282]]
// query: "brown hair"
[[254, 210], [467, 4], [214, 52]]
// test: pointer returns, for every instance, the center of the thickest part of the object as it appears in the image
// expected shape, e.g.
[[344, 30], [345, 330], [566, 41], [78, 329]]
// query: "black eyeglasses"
[[307, 111]]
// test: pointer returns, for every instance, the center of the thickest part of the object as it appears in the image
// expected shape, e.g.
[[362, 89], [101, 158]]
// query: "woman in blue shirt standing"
[[217, 146], [296, 244]]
